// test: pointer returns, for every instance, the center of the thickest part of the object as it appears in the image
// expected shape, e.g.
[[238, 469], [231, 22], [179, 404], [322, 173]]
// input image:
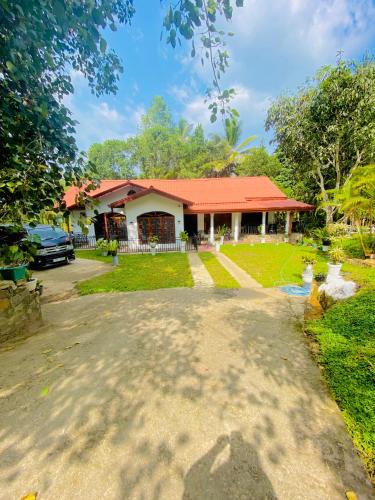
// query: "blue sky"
[[277, 45]]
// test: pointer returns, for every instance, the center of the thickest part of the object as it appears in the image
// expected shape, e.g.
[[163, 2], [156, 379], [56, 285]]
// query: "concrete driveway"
[[193, 394], [59, 281]]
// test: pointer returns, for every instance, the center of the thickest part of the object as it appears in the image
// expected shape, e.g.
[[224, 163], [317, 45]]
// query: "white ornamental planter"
[[217, 246], [153, 248], [221, 240], [333, 271], [183, 246], [308, 275], [115, 260]]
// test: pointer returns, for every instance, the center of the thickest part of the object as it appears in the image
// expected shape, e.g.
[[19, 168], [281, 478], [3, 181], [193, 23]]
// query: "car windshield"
[[47, 233]]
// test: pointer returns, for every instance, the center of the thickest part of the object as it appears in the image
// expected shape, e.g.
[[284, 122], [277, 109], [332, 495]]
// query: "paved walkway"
[[201, 277], [238, 274], [193, 394]]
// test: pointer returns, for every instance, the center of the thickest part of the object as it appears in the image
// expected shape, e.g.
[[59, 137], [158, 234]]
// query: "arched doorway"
[[160, 224]]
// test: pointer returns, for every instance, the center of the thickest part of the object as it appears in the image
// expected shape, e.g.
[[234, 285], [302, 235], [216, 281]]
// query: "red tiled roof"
[[222, 194]]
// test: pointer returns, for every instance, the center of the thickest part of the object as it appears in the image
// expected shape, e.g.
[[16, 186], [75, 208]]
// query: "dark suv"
[[54, 245]]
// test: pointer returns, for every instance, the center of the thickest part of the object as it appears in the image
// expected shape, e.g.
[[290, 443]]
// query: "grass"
[[138, 272], [219, 274], [273, 265], [347, 350]]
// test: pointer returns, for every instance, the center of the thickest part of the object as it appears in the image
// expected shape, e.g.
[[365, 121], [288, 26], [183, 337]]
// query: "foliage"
[[259, 162], [16, 247], [111, 160], [356, 199], [112, 247], [221, 277], [41, 43], [308, 259], [138, 272], [102, 245], [221, 230], [184, 236], [321, 234], [153, 239], [347, 351], [328, 128], [182, 20], [336, 255]]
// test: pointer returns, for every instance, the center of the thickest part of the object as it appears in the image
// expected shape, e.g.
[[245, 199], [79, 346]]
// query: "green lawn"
[[219, 274], [273, 265], [346, 335], [138, 272]]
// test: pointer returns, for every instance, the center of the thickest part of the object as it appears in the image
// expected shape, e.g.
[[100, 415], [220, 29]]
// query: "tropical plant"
[[112, 247], [327, 130], [154, 239], [356, 201], [336, 255], [321, 234], [184, 236], [308, 259]]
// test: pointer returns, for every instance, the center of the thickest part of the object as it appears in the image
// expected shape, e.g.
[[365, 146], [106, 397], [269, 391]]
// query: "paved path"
[[59, 281], [201, 277], [241, 276], [193, 394]]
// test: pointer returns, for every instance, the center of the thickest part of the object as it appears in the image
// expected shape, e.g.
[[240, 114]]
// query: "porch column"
[[287, 223], [212, 229], [106, 232], [264, 214], [200, 222], [236, 229]]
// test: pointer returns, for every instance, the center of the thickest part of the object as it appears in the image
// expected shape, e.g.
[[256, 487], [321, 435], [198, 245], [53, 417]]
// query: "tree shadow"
[[231, 469]]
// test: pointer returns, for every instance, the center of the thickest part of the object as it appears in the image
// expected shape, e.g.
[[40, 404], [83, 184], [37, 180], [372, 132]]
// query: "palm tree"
[[232, 155], [356, 199], [233, 131]]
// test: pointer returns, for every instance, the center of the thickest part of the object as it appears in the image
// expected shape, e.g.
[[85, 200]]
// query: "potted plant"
[[307, 275], [31, 282], [184, 236], [153, 242], [336, 257], [322, 235], [260, 229], [13, 262], [219, 237], [102, 246], [112, 250]]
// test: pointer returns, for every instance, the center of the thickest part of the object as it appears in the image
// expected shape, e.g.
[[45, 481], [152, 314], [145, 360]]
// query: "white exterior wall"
[[152, 203], [74, 217], [101, 205]]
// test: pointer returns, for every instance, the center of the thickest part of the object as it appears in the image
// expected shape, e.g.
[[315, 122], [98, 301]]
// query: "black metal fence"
[[84, 242], [297, 227]]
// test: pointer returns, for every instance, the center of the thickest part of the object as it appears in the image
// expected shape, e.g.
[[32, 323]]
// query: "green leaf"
[[103, 45], [44, 391]]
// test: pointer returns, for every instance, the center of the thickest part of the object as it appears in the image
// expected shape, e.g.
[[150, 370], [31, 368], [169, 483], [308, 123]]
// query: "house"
[[134, 210]]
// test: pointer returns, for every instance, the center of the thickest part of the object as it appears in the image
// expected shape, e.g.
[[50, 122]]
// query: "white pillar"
[[200, 222], [212, 229], [287, 223], [236, 231], [264, 223]]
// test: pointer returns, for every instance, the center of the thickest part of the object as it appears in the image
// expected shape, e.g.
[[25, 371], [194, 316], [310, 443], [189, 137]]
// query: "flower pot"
[[183, 246], [31, 284], [217, 246], [308, 275], [333, 271], [221, 240], [15, 273], [115, 260]]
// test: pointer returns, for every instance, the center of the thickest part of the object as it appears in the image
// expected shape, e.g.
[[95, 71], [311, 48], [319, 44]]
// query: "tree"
[[233, 131], [327, 130], [40, 43], [356, 200], [111, 159], [259, 162]]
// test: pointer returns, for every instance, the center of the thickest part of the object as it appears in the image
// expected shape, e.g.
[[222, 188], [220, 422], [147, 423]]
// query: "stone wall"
[[20, 312], [270, 238]]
